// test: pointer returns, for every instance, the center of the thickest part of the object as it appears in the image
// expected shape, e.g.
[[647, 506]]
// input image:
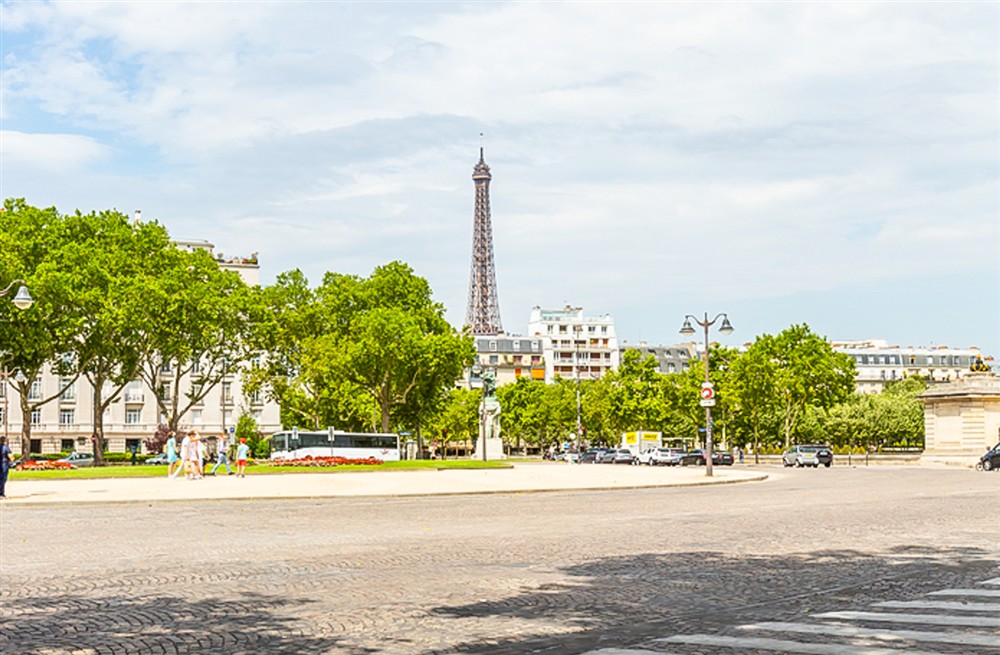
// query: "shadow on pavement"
[[626, 600], [65, 623]]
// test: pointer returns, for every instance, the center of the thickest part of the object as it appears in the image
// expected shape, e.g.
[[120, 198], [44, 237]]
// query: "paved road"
[[744, 569]]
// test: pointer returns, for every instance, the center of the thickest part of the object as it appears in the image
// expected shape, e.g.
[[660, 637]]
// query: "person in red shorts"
[[242, 451]]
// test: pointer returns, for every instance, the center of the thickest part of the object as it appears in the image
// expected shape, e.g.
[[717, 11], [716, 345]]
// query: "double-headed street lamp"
[[707, 392]]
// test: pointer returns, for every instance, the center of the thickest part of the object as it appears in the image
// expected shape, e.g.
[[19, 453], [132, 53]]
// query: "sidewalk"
[[522, 477]]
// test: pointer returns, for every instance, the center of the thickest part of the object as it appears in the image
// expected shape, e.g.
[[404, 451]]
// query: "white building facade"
[[577, 347]]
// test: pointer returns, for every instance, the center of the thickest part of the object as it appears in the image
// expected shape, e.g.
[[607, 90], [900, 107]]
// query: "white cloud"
[[786, 148]]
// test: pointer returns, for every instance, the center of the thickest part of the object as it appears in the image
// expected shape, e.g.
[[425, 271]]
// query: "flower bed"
[[323, 461], [44, 465]]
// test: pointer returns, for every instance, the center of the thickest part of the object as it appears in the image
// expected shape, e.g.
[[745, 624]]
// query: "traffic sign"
[[707, 394]]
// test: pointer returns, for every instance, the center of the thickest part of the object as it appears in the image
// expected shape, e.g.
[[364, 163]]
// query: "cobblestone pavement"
[[625, 571]]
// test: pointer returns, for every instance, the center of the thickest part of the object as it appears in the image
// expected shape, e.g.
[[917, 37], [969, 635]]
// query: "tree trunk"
[[98, 437], [25, 423]]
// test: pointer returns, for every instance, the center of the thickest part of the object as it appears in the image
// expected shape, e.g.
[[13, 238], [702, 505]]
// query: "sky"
[[833, 164]]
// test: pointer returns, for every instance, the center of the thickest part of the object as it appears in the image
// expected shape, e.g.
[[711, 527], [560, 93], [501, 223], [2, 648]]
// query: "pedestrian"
[[6, 462], [174, 463], [221, 446], [190, 453], [242, 452], [740, 450], [202, 455]]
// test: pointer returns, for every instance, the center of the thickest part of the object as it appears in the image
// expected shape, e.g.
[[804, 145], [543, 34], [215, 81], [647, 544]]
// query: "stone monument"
[[489, 429], [962, 418]]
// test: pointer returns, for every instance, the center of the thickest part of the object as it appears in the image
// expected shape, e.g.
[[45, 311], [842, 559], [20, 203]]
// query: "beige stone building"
[[961, 419]]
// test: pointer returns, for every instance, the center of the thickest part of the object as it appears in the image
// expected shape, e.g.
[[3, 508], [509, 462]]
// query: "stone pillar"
[[961, 419]]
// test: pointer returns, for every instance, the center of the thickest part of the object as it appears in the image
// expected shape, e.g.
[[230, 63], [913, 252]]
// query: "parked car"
[[696, 457], [607, 457], [622, 456], [807, 455], [645, 457], [572, 457], [78, 460], [660, 456], [160, 458], [991, 460], [667, 456]]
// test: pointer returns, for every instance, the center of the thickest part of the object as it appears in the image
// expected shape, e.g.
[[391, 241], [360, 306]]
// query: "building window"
[[493, 346], [516, 345], [35, 391], [196, 416], [227, 392], [882, 374], [66, 445], [165, 367], [255, 415], [196, 366], [165, 391], [256, 396], [494, 359], [67, 417], [68, 390], [36, 416], [3, 417], [227, 417], [535, 359], [133, 416]]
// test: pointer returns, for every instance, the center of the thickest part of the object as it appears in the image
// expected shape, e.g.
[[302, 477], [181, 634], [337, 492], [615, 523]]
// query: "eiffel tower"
[[482, 313]]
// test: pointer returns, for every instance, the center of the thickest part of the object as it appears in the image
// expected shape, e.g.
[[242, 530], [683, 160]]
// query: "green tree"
[[200, 314], [114, 264], [32, 242], [808, 372]]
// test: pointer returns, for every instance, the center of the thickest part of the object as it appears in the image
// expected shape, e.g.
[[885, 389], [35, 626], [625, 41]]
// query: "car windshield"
[[809, 449]]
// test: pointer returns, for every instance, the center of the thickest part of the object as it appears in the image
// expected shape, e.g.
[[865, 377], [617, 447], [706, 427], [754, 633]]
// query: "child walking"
[[242, 452]]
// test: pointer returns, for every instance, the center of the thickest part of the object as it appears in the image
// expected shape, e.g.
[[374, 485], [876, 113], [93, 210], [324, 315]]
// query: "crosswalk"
[[946, 621]]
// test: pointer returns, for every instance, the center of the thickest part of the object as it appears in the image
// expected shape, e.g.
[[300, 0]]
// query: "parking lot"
[[564, 571]]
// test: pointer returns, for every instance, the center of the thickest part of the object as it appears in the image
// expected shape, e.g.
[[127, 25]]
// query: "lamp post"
[[576, 367], [22, 299], [707, 393]]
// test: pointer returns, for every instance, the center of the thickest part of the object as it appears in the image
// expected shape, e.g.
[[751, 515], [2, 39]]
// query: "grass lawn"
[[148, 471]]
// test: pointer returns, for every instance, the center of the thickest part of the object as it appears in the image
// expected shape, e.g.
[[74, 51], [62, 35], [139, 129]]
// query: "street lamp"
[[576, 367], [22, 299], [707, 395]]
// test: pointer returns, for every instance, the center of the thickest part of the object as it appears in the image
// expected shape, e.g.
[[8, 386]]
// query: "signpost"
[[707, 394]]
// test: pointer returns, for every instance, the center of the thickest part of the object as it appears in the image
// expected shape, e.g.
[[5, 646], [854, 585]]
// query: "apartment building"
[[669, 359], [879, 362], [510, 357], [575, 346]]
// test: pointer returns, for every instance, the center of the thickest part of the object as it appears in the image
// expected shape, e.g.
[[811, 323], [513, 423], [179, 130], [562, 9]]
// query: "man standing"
[[6, 461], [221, 446]]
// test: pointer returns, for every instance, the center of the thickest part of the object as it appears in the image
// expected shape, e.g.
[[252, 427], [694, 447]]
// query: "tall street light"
[[707, 392], [22, 300]]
